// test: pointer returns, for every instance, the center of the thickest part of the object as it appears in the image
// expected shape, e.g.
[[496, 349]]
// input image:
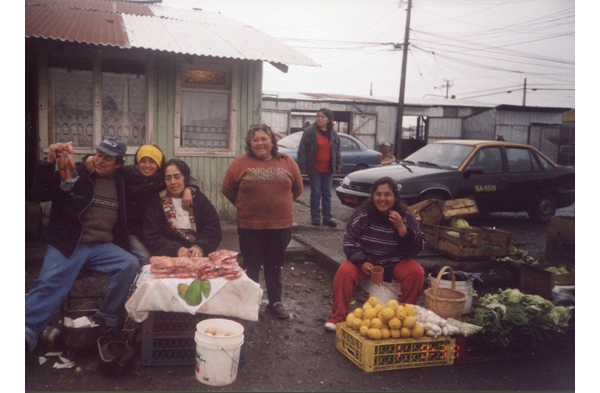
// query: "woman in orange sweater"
[[263, 184]]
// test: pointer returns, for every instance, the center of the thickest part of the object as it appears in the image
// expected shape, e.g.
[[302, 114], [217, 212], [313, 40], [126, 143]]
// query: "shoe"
[[277, 310], [315, 223], [330, 224], [330, 326]]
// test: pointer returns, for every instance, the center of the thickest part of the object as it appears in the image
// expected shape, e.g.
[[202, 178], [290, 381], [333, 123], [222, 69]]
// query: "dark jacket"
[[307, 150], [162, 240], [139, 192], [65, 228]]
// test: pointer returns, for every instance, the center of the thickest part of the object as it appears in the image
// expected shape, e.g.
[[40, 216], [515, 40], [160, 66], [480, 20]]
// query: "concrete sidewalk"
[[324, 245]]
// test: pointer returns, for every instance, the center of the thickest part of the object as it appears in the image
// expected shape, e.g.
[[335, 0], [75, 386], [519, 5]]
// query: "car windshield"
[[440, 154], [290, 141]]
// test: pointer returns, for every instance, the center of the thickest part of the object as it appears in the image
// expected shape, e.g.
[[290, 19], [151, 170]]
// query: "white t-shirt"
[[182, 216]]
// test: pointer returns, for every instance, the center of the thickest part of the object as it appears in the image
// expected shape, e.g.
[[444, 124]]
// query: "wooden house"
[[186, 80]]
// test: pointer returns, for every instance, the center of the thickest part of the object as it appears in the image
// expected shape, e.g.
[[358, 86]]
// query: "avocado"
[[206, 288], [193, 295], [182, 288]]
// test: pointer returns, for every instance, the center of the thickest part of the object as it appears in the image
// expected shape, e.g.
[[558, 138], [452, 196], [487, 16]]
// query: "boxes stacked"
[[473, 242]]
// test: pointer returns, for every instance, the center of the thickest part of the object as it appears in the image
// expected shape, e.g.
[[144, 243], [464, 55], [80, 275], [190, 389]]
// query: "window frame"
[[231, 69], [96, 57]]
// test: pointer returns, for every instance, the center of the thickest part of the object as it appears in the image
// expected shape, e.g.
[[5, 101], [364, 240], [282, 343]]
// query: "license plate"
[[351, 199]]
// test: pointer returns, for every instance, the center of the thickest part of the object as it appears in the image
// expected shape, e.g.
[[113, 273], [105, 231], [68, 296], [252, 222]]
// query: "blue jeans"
[[139, 250], [320, 194], [58, 274]]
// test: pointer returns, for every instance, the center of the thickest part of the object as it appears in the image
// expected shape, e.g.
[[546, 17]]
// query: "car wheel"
[[543, 208]]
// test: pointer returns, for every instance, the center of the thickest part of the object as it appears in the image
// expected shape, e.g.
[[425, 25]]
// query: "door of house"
[[364, 128]]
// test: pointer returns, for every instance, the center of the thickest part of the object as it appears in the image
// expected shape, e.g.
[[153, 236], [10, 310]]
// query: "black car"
[[501, 176]]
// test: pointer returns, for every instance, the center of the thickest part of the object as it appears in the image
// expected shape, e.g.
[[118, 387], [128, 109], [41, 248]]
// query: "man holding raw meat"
[[87, 229]]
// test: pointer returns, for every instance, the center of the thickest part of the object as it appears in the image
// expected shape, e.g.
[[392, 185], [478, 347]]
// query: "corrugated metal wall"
[[441, 128], [480, 126]]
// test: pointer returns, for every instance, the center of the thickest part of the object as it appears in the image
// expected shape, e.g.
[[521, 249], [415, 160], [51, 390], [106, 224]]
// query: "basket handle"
[[439, 278]]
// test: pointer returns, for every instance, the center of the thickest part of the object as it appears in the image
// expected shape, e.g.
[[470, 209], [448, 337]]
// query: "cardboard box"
[[436, 211], [535, 279], [473, 242], [560, 241], [562, 230]]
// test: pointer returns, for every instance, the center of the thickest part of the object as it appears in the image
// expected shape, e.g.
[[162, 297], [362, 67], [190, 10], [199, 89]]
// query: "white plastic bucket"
[[465, 287], [217, 357], [383, 291]]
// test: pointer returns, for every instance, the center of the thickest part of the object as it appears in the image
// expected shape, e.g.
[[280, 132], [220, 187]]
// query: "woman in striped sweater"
[[381, 232]]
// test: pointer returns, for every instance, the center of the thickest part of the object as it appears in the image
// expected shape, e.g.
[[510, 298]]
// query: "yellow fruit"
[[358, 313], [378, 307], [387, 313], [374, 334], [417, 331], [363, 330], [373, 301], [393, 304], [401, 313], [405, 332], [395, 333], [395, 323], [366, 306], [349, 319], [385, 334], [410, 310], [384, 325], [370, 313], [409, 322], [356, 323], [367, 322], [376, 323]]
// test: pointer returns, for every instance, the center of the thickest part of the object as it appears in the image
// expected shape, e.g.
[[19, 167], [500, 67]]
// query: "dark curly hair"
[[253, 130]]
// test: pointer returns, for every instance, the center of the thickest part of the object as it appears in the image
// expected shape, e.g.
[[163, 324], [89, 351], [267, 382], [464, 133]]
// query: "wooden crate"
[[436, 211], [534, 279], [473, 242]]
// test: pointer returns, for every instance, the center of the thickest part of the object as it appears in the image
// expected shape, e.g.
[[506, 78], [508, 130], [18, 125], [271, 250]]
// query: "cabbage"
[[459, 223]]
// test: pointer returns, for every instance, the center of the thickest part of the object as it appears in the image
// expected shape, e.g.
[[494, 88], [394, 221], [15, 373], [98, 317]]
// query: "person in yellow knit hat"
[[142, 181]]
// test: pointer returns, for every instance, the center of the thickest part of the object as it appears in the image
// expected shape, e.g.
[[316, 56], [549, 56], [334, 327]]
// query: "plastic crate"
[[393, 354], [473, 349], [179, 351], [171, 324]]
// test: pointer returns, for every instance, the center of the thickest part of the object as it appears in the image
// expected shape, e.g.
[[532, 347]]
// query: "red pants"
[[407, 271]]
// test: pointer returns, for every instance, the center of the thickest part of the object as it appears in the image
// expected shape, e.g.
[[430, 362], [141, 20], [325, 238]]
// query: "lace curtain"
[[204, 120]]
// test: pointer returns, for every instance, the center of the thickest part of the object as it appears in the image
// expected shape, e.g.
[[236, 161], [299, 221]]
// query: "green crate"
[[394, 354]]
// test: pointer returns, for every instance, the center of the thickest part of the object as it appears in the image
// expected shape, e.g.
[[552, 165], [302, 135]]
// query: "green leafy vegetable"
[[511, 319]]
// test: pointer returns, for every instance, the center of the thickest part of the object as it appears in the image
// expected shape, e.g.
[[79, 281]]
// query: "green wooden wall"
[[210, 171]]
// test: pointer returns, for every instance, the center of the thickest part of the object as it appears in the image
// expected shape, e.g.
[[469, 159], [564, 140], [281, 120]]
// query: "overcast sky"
[[472, 49]]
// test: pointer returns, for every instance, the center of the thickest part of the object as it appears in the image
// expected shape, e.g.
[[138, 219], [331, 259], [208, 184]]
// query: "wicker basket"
[[445, 302]]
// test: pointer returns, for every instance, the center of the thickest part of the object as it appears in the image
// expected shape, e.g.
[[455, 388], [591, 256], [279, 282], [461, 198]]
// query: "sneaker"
[[277, 310], [330, 224], [315, 223], [330, 326]]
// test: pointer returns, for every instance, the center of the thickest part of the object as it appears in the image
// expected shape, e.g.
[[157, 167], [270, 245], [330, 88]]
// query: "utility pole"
[[524, 91], [448, 86], [400, 113]]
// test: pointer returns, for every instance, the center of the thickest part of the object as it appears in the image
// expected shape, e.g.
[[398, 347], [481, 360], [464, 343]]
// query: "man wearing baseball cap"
[[87, 229]]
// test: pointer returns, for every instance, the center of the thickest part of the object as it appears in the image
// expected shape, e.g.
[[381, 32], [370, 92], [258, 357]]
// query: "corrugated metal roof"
[[155, 27]]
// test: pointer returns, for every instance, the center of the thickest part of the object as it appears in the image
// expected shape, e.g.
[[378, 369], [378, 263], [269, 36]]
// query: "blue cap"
[[112, 146]]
